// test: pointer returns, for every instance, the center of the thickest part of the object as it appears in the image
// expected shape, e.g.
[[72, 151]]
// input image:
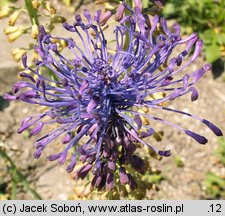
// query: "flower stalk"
[[32, 12]]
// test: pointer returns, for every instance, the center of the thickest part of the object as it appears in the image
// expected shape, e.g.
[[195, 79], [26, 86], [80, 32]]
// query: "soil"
[[52, 182]]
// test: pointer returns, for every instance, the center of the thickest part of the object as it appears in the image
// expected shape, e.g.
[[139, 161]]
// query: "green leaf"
[[179, 162], [17, 177], [208, 36], [168, 9], [214, 179], [221, 141], [154, 178], [212, 52], [221, 38]]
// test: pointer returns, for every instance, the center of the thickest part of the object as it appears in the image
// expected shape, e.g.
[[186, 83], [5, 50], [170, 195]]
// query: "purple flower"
[[97, 95]]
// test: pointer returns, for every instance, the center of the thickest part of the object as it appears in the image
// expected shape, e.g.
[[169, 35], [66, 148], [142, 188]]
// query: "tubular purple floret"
[[176, 28], [63, 157], [105, 17], [123, 176], [87, 15], [69, 27], [38, 153], [119, 12], [9, 97], [166, 153], [72, 164], [27, 124], [67, 138], [37, 129], [194, 95], [20, 85], [138, 4], [110, 181], [26, 75], [198, 49], [149, 133], [213, 127], [200, 72], [24, 60], [78, 18], [54, 157], [97, 15], [83, 171], [185, 81], [200, 139]]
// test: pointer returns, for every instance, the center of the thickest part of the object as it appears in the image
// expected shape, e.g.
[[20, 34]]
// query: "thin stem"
[[17, 177], [32, 12]]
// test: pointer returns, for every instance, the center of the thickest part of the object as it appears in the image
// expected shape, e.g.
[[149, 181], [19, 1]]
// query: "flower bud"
[[147, 20], [105, 17], [83, 158], [11, 29], [34, 31], [194, 95], [106, 151], [37, 129], [18, 54], [12, 37], [83, 171], [91, 105], [67, 138], [6, 11], [54, 157], [49, 8], [97, 15], [72, 164], [138, 164], [138, 121], [119, 12], [148, 133], [19, 85], [9, 97], [38, 152], [62, 158], [87, 15], [110, 181], [58, 19], [95, 182], [123, 176], [132, 182], [36, 4], [138, 3], [13, 18], [111, 165]]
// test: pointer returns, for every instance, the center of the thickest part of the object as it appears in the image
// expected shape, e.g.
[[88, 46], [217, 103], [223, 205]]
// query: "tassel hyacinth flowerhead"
[[97, 93]]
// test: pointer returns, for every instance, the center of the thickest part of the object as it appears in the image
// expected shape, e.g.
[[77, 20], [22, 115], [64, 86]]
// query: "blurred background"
[[192, 172]]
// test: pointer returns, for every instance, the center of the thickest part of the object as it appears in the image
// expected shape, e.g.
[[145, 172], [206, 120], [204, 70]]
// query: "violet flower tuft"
[[99, 95]]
